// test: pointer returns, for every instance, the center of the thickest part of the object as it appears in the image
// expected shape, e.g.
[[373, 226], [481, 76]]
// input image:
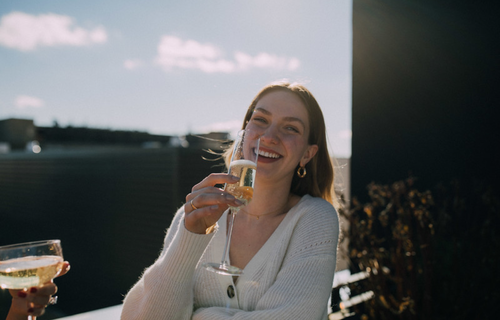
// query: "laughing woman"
[[285, 239]]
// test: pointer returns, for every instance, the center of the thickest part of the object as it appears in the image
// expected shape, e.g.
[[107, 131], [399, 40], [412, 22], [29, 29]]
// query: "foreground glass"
[[30, 264], [243, 165]]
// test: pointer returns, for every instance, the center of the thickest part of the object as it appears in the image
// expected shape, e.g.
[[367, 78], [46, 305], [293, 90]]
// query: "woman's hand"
[[206, 203], [32, 302]]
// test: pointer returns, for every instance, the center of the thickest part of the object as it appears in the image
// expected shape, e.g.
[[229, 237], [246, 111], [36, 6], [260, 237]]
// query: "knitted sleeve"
[[165, 289], [304, 281]]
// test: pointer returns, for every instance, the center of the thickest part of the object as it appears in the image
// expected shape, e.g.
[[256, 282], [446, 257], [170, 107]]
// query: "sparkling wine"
[[243, 190], [29, 271]]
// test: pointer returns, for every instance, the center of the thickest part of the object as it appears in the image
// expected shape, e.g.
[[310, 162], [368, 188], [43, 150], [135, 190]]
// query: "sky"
[[171, 67]]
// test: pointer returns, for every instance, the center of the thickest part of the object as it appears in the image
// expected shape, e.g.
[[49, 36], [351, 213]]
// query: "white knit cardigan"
[[290, 277]]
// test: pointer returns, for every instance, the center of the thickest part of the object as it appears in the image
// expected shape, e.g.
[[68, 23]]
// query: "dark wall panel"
[[110, 209], [425, 87]]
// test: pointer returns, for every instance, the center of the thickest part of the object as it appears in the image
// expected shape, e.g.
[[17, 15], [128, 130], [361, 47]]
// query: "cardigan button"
[[230, 291]]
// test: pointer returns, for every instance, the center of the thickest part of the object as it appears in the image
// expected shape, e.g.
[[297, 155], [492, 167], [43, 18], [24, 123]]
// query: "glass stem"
[[225, 255]]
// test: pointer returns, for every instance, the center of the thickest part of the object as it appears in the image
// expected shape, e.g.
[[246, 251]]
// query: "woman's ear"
[[308, 154]]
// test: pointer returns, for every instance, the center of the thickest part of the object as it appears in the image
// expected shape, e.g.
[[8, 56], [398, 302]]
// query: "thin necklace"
[[257, 216]]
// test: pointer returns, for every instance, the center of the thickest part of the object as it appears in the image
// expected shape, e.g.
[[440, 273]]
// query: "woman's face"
[[281, 119]]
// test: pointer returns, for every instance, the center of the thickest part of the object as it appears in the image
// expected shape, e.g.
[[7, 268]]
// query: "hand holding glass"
[[243, 165], [30, 264]]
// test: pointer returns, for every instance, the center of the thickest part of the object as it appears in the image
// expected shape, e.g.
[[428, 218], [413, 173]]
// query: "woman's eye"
[[258, 119], [292, 129]]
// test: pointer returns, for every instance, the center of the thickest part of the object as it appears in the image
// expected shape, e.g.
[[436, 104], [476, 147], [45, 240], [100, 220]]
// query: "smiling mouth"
[[270, 155]]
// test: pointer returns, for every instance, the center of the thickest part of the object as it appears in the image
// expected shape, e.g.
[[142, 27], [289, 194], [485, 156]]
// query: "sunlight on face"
[[281, 119]]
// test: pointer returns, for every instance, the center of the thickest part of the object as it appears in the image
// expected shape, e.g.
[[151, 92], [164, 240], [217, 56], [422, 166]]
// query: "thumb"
[[65, 269]]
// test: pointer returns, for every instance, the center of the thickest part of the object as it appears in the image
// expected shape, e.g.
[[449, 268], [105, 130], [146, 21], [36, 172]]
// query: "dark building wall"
[[110, 209], [17, 132], [425, 82], [425, 90], [93, 136]]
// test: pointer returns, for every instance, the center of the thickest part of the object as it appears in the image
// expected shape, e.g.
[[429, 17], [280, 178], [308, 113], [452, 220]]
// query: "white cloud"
[[190, 54], [174, 52], [132, 64], [26, 32], [266, 61], [293, 64], [23, 102], [176, 47]]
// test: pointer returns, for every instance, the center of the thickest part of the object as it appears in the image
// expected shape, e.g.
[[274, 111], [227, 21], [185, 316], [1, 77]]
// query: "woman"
[[285, 239], [32, 302]]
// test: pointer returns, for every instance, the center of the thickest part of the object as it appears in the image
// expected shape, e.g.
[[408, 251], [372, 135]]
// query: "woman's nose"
[[270, 135]]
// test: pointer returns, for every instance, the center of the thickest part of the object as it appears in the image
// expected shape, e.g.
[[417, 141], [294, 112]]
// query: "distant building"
[[16, 133], [23, 134]]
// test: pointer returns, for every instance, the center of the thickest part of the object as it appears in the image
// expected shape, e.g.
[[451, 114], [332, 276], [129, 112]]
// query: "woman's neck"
[[270, 200]]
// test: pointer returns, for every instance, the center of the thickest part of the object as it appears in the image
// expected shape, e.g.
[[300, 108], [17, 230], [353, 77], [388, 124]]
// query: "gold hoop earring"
[[301, 172]]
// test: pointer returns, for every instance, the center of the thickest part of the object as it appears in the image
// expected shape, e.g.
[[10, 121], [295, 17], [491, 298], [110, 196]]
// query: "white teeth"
[[268, 154]]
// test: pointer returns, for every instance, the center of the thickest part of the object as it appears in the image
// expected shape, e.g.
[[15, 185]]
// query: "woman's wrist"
[[12, 315], [17, 303]]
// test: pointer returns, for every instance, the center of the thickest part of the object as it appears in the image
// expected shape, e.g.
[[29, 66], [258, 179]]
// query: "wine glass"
[[243, 165], [30, 264]]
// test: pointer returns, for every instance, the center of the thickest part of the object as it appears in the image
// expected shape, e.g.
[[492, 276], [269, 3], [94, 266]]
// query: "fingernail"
[[230, 197], [238, 202], [31, 310], [33, 290], [22, 294], [215, 206], [235, 178]]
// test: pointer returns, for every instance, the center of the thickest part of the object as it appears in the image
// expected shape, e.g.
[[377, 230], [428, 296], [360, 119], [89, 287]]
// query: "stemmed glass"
[[243, 165], [30, 264]]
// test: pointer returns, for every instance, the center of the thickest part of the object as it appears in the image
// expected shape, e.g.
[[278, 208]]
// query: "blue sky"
[[171, 67]]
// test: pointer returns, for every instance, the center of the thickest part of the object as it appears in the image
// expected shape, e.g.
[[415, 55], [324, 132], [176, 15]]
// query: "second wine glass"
[[243, 164], [30, 264]]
